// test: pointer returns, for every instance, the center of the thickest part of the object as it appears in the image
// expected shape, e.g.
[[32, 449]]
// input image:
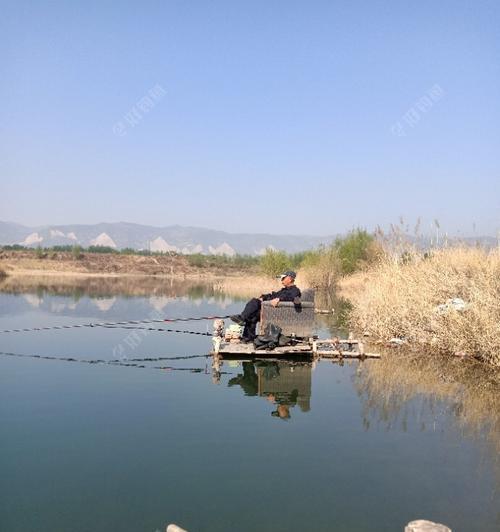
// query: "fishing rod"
[[133, 362], [116, 324]]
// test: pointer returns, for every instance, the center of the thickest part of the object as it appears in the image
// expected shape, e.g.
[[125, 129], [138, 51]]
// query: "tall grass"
[[400, 297], [325, 266]]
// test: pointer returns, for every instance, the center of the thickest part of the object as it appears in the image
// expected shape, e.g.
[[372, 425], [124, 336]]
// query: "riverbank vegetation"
[[445, 301]]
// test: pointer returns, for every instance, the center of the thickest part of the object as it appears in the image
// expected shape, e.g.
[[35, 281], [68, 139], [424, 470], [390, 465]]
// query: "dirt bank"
[[64, 263]]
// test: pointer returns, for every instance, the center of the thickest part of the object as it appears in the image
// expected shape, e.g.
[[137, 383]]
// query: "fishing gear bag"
[[271, 338]]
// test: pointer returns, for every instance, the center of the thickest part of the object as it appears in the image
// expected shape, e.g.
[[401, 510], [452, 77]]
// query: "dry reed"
[[400, 298]]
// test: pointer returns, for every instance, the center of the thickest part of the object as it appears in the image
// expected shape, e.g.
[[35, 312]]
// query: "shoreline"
[[238, 285], [26, 269]]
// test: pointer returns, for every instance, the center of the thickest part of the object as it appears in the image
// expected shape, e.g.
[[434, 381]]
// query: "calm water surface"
[[101, 447]]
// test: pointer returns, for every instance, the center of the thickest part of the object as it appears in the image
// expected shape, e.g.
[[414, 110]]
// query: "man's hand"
[[275, 301]]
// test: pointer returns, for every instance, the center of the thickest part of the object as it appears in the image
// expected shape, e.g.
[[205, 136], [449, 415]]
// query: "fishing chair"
[[294, 320]]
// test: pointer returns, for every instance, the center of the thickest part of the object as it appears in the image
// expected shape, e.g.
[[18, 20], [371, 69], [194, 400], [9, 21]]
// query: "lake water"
[[104, 447]]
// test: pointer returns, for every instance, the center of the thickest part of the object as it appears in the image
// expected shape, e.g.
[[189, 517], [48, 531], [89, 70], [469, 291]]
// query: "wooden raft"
[[307, 349], [295, 320]]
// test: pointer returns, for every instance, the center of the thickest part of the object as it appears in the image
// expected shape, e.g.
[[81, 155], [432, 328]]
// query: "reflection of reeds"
[[471, 389], [399, 297]]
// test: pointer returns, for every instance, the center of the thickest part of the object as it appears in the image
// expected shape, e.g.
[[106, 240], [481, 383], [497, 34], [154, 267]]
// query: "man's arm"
[[287, 294], [268, 297], [290, 294]]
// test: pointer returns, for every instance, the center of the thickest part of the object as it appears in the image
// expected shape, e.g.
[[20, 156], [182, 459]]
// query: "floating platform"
[[294, 321], [306, 349]]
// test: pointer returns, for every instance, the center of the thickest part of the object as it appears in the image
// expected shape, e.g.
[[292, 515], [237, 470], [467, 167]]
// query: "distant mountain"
[[179, 239], [173, 238]]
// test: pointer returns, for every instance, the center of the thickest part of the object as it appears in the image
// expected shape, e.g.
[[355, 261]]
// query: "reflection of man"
[[283, 406], [250, 315], [281, 383], [248, 381], [283, 412]]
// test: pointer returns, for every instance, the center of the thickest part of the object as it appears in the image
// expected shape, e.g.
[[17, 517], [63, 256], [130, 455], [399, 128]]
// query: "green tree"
[[274, 262], [77, 252], [354, 250], [40, 253]]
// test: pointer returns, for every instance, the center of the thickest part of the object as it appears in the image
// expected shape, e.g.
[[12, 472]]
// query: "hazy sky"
[[272, 116]]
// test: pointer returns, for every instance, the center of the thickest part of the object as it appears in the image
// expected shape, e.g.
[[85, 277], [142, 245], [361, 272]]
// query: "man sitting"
[[251, 313]]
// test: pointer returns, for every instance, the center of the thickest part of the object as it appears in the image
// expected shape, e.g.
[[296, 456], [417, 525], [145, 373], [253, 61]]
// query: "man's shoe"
[[237, 318]]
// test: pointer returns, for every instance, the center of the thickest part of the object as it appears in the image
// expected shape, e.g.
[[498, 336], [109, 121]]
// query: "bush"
[[77, 252], [198, 260], [101, 249], [40, 253], [273, 262], [324, 266], [356, 250], [128, 251], [14, 247]]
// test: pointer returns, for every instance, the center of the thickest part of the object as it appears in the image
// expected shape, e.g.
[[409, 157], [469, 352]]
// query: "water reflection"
[[36, 287], [284, 384], [167, 419], [429, 394], [337, 322], [110, 297], [464, 391]]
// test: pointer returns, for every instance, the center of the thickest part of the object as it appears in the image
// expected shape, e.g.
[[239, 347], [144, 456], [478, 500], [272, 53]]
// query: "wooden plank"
[[240, 349], [347, 354], [341, 341]]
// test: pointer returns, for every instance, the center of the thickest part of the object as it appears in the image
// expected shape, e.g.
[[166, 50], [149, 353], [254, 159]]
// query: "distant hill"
[[172, 238], [177, 238]]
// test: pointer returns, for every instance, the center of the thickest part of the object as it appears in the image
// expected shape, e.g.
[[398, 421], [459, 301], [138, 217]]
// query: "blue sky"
[[284, 117]]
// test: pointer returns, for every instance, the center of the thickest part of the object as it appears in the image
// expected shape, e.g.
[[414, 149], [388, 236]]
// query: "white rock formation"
[[190, 250], [159, 244], [34, 238], [197, 249], [223, 249], [103, 240], [262, 251]]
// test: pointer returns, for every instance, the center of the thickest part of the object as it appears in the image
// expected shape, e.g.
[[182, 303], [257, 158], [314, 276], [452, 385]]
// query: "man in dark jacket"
[[251, 313]]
